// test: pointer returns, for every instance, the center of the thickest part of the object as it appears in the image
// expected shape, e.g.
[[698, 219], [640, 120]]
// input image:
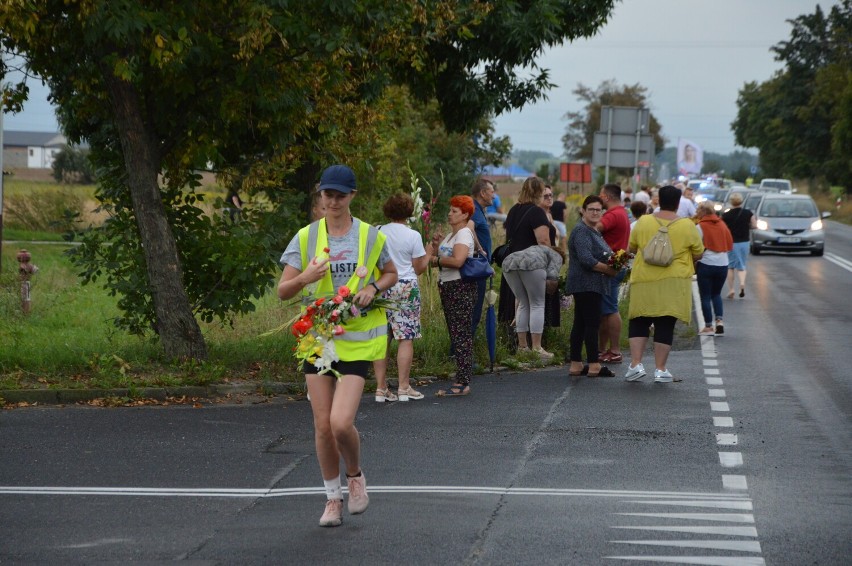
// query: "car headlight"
[[762, 225], [817, 225]]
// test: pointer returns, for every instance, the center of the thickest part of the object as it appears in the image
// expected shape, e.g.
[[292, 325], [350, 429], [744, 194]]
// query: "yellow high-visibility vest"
[[366, 336]]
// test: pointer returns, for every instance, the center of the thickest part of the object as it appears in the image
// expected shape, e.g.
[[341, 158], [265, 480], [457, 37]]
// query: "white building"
[[31, 150]]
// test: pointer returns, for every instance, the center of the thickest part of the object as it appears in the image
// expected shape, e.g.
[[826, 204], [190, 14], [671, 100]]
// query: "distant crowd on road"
[[657, 240]]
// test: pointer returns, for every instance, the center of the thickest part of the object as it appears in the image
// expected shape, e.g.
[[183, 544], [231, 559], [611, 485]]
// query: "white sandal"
[[383, 395], [409, 394]]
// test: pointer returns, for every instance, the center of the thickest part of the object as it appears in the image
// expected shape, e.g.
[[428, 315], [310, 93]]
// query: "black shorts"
[[358, 367]]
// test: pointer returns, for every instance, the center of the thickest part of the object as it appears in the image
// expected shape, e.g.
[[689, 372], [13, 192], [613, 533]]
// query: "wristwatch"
[[378, 290]]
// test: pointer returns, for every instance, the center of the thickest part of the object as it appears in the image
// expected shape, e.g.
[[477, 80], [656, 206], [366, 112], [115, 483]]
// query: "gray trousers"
[[528, 287]]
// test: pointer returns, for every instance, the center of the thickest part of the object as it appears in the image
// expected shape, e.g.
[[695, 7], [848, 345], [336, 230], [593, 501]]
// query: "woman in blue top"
[[587, 281]]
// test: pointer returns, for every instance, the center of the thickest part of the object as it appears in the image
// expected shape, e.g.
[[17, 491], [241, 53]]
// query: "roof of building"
[[513, 170], [12, 138]]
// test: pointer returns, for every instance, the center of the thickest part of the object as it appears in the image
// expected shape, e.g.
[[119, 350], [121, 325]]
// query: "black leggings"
[[640, 327], [587, 323]]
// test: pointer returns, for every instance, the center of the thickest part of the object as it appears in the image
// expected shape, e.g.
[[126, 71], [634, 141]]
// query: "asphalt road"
[[747, 461]]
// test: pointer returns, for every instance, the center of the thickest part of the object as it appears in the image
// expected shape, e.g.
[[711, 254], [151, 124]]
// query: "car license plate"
[[789, 240]]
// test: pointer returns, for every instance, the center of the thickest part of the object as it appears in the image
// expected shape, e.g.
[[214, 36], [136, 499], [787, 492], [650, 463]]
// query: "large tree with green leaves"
[[800, 119], [580, 133], [267, 90]]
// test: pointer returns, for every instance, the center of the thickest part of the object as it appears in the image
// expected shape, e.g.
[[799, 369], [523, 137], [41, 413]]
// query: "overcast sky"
[[692, 55]]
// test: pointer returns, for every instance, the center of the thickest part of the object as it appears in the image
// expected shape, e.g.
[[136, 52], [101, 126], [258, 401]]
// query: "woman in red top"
[[712, 269]]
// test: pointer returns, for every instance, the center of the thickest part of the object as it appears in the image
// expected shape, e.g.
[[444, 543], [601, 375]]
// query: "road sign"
[[625, 119], [622, 149]]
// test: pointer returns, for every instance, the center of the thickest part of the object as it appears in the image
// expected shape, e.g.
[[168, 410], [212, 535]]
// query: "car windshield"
[[752, 202], [778, 185], [721, 195], [788, 208]]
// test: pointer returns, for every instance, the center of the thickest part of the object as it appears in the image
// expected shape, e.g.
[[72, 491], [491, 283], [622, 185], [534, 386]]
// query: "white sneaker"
[[662, 376], [358, 498], [543, 354], [707, 331], [333, 514], [635, 373]]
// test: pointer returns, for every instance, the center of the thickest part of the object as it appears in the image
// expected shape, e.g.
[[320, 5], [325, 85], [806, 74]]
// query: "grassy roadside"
[[68, 341]]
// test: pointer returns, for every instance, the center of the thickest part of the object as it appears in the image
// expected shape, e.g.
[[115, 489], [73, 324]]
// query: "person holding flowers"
[[409, 256], [340, 333], [615, 227], [588, 281]]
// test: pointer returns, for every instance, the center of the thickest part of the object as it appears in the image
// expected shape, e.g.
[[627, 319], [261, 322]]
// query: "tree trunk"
[[175, 323]]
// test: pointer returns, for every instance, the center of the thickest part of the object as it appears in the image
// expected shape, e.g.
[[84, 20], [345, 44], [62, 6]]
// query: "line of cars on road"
[[786, 222]]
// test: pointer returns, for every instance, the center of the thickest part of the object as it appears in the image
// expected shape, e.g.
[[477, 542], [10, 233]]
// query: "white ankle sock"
[[333, 489]]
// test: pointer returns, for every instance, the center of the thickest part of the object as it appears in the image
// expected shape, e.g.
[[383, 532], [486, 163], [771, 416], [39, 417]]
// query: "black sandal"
[[605, 372], [455, 390]]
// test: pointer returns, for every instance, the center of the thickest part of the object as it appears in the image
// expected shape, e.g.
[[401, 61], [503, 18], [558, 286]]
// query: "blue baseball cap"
[[338, 178]]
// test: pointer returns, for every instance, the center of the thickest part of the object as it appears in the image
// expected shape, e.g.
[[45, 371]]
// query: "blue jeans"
[[711, 279]]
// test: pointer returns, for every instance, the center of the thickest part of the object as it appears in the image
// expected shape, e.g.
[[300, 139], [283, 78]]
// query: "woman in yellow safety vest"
[[356, 257]]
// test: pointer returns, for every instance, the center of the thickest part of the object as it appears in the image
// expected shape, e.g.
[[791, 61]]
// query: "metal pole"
[[608, 142], [633, 182]]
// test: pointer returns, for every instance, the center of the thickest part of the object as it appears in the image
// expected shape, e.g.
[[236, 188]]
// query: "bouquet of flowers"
[[619, 260], [320, 322]]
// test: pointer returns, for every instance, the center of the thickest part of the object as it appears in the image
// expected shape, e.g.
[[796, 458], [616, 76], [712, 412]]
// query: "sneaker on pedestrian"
[[383, 395], [720, 327], [707, 331], [662, 376], [409, 394], [333, 514], [635, 373], [358, 498], [543, 354]]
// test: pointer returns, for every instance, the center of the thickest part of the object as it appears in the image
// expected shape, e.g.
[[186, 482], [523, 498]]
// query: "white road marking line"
[[719, 406], [704, 530], [716, 392], [709, 353], [734, 482], [737, 545], [738, 505], [726, 439], [711, 371], [703, 560], [713, 380], [731, 459], [286, 492], [723, 421], [837, 260], [710, 362], [723, 517]]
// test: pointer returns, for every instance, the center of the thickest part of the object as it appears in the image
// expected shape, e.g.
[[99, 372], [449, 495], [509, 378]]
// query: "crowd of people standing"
[[337, 251]]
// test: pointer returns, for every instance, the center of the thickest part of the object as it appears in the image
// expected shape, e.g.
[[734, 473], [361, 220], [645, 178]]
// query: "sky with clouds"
[[692, 55]]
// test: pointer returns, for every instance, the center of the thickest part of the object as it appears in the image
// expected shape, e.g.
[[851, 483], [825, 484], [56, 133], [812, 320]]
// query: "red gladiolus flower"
[[319, 301], [301, 327]]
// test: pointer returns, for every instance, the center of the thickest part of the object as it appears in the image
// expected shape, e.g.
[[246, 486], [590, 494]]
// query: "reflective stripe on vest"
[[366, 336]]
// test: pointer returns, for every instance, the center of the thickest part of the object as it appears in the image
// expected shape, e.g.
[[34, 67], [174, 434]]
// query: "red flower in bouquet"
[[320, 322], [619, 260]]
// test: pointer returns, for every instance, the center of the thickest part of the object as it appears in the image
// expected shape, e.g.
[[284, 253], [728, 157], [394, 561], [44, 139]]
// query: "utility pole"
[[1, 190]]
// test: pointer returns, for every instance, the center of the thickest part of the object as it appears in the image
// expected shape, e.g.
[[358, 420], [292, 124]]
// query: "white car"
[[788, 223]]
